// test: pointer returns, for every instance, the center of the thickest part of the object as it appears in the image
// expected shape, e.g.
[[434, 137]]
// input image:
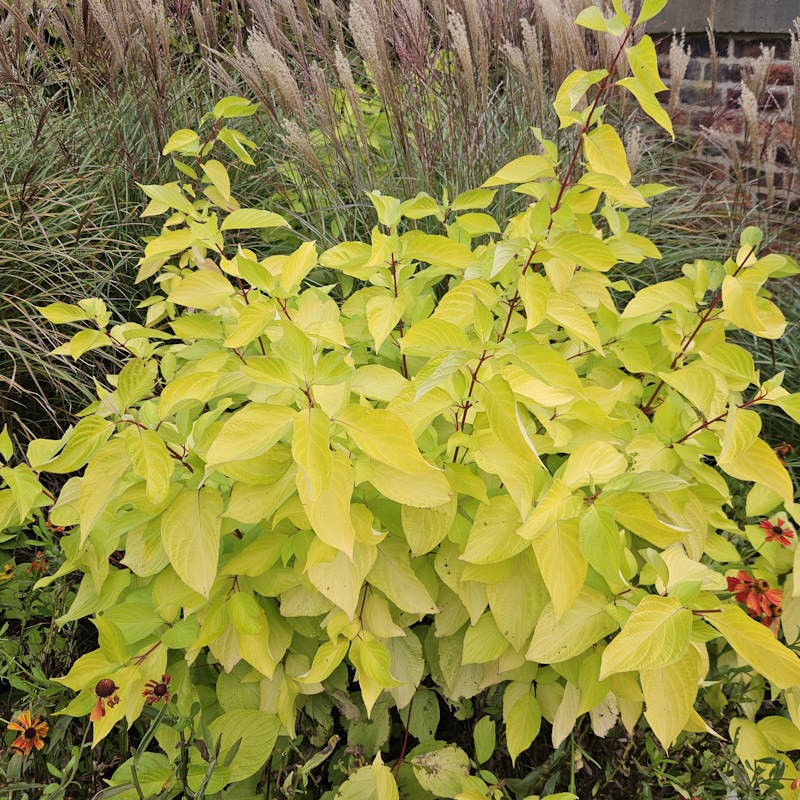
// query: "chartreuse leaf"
[[328, 656], [758, 463], [562, 565], [234, 106], [79, 446], [443, 772], [605, 151], [483, 642], [185, 141], [649, 9], [646, 82], [59, 313], [255, 732], [585, 623], [245, 218], [780, 732], [655, 635], [373, 663], [755, 643], [338, 576], [574, 87], [190, 534], [6, 446], [311, 452], [375, 782], [592, 18], [151, 461], [669, 694], [204, 290], [250, 431], [329, 511], [523, 720], [522, 170], [424, 528], [484, 739], [517, 599], [393, 574], [743, 308], [383, 436], [100, 483]]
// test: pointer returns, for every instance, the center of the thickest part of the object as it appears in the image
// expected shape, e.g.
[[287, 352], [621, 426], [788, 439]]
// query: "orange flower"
[[106, 691], [157, 690], [32, 733], [762, 602]]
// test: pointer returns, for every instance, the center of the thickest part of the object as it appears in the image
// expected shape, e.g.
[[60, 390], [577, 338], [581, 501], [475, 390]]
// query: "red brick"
[[780, 75]]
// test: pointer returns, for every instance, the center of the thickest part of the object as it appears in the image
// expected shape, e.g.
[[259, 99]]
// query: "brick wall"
[[736, 105]]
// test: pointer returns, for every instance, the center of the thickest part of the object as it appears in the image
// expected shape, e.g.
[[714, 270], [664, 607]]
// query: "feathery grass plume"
[[534, 57], [331, 23], [368, 35], [756, 74], [344, 73], [273, 69], [298, 141], [794, 56], [567, 43], [457, 29], [516, 60], [634, 140], [474, 16], [750, 112], [109, 24], [680, 54]]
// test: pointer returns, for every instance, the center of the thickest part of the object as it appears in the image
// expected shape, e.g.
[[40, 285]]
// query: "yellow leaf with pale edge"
[[562, 564], [655, 635], [339, 577], [252, 218], [593, 463], [585, 623], [780, 732], [522, 725], [297, 266], [567, 312], [383, 314], [746, 310], [393, 574], [152, 462], [203, 290], [100, 483], [759, 464], [425, 490], [755, 643], [329, 512], [190, 534], [383, 436], [522, 170], [311, 451], [669, 693], [249, 432], [606, 153]]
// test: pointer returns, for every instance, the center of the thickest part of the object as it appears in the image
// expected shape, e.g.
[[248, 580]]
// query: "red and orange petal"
[[98, 712], [779, 531]]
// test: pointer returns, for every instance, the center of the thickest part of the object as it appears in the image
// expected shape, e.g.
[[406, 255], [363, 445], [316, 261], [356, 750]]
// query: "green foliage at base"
[[329, 490]]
